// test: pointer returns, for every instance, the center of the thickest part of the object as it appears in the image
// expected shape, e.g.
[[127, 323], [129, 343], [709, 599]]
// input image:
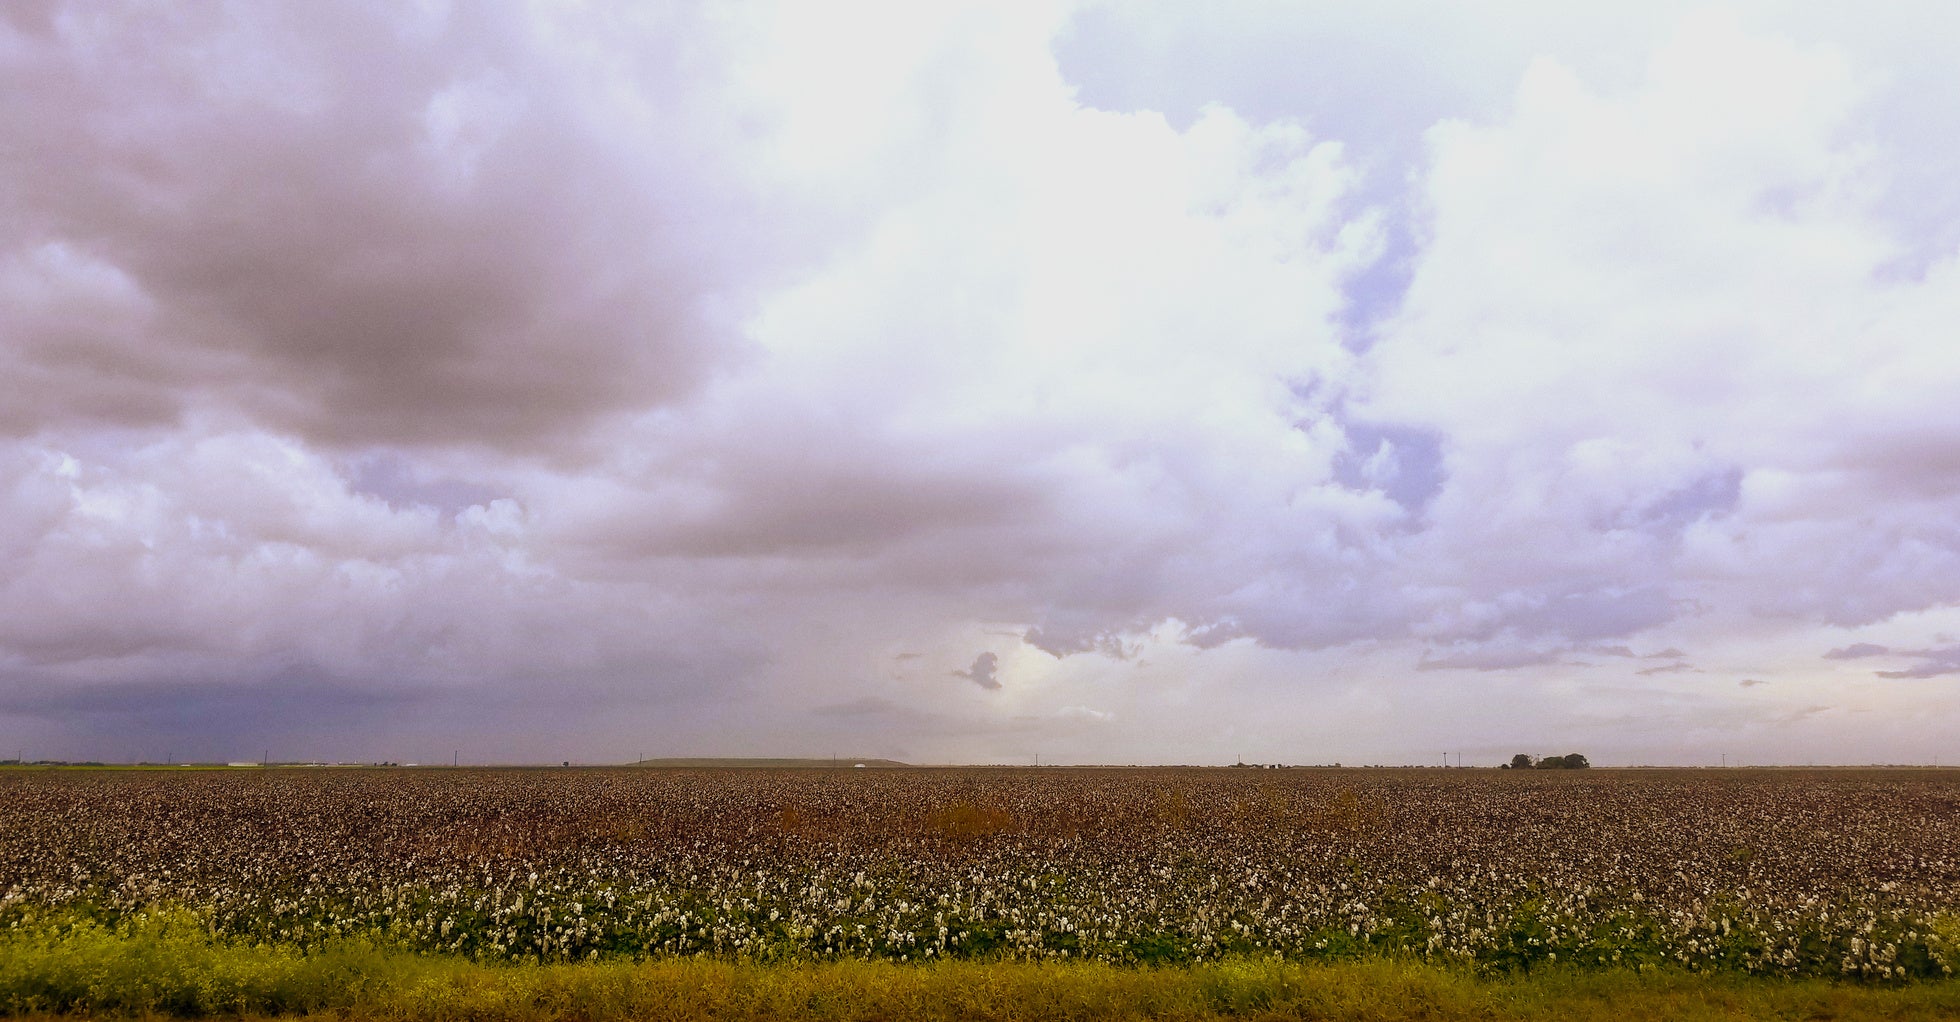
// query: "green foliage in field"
[[169, 964]]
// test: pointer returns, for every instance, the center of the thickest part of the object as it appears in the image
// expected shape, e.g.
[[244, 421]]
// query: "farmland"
[[1838, 874]]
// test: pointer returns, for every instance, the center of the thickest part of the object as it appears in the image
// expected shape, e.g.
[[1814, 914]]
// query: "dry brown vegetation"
[[1828, 873]]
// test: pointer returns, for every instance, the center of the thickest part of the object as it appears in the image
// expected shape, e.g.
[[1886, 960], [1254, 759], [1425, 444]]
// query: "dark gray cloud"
[[812, 491], [286, 709], [1487, 658], [1098, 637], [364, 224], [982, 673], [565, 703], [1933, 663], [1856, 651], [1626, 652]]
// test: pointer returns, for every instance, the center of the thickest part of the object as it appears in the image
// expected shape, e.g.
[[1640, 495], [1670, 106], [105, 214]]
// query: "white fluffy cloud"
[[1656, 328]]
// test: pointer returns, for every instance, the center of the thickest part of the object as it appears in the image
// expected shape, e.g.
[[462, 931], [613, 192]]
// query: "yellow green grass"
[[170, 966]]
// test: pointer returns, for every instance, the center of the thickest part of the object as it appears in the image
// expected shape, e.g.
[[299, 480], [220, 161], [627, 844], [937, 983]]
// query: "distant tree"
[[1576, 761], [1522, 762]]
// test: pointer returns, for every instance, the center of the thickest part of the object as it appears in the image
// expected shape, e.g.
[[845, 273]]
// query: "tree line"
[[1570, 761]]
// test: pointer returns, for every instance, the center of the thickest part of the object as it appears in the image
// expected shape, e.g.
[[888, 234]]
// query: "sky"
[[1137, 382]]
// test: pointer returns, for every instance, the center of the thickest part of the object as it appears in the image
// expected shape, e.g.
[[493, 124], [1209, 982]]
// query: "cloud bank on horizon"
[[1109, 383]]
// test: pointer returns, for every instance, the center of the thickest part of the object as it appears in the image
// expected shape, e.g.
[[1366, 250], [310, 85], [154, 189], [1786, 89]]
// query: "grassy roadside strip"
[[171, 968]]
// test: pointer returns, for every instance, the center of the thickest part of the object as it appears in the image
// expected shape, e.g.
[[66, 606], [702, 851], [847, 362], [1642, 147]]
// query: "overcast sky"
[[1129, 382]]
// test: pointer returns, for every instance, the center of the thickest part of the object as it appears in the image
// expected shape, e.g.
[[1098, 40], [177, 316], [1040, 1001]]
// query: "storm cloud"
[[370, 224], [982, 672]]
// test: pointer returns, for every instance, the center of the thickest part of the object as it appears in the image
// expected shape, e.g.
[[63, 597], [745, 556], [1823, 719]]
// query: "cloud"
[[1751, 682], [1669, 669], [1493, 657], [200, 718], [1404, 464], [665, 370], [863, 706], [378, 225], [403, 485], [1933, 663], [982, 672], [1600, 195], [1626, 652]]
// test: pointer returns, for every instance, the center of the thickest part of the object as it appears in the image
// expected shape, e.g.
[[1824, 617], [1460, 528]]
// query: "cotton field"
[[1800, 872]]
